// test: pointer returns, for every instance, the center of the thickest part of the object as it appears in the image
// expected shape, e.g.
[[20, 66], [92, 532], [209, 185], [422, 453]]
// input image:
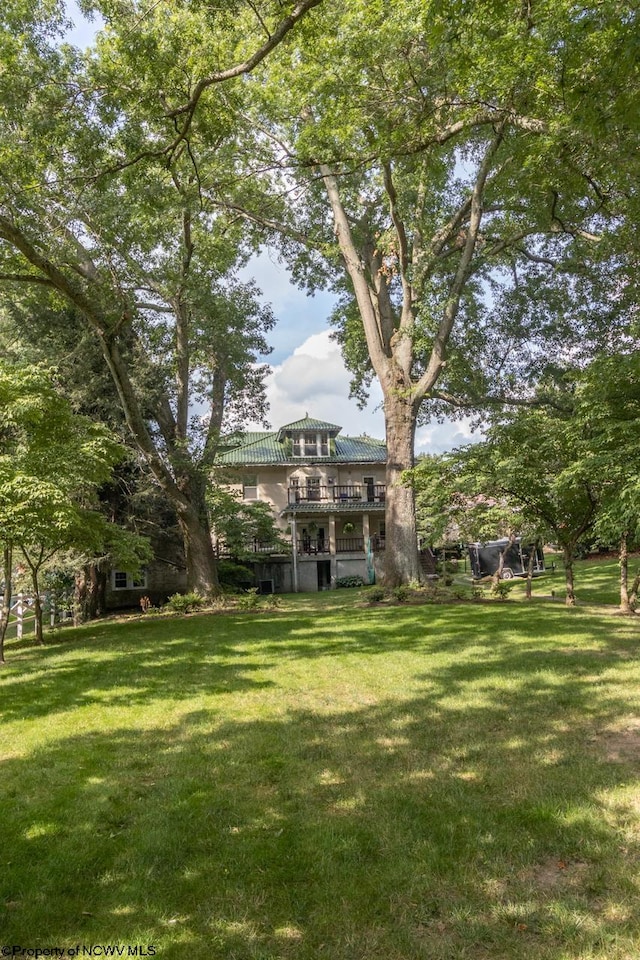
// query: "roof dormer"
[[309, 437]]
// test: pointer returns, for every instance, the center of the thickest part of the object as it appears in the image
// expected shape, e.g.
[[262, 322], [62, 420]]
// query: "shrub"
[[184, 602], [460, 594], [401, 593], [271, 602], [375, 595], [249, 600], [236, 575], [350, 582], [500, 589], [478, 591]]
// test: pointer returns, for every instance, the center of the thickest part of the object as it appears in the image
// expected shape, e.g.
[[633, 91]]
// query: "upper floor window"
[[250, 486], [311, 445]]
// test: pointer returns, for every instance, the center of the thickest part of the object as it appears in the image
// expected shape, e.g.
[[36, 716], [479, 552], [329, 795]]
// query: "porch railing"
[[309, 546], [349, 544], [338, 493], [313, 546]]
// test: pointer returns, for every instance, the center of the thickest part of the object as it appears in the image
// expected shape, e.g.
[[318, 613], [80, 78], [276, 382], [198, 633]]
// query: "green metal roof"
[[360, 450], [269, 448], [308, 424], [263, 448]]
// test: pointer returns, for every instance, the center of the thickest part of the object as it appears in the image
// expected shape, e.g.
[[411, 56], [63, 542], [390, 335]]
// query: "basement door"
[[324, 574]]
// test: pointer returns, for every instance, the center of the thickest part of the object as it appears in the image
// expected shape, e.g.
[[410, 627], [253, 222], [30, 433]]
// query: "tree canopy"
[[464, 175], [461, 174], [561, 472], [51, 463], [104, 208]]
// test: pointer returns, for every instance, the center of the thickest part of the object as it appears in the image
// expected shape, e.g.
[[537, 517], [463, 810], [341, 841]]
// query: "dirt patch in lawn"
[[555, 873], [621, 744]]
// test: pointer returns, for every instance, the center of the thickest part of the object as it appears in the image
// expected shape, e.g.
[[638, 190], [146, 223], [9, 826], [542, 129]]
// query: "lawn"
[[327, 781]]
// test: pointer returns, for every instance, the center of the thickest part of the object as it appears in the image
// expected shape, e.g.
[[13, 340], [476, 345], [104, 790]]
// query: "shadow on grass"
[[136, 662], [123, 666], [472, 815]]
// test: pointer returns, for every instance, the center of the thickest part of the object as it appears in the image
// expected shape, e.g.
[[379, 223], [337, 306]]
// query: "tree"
[[456, 501], [458, 154], [570, 469], [132, 502], [100, 212], [241, 528], [51, 463], [607, 405]]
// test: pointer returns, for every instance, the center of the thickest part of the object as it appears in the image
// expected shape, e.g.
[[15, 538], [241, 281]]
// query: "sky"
[[307, 374]]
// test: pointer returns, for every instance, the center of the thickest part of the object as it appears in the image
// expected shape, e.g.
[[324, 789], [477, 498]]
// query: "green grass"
[[597, 581], [327, 781]]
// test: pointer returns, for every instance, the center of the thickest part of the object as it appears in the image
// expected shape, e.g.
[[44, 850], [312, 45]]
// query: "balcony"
[[351, 493]]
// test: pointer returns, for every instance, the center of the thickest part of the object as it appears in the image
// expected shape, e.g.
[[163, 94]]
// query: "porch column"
[[332, 550], [365, 528], [366, 537], [294, 553]]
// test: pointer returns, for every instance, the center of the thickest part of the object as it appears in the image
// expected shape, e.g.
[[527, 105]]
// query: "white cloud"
[[273, 279], [313, 380], [437, 437]]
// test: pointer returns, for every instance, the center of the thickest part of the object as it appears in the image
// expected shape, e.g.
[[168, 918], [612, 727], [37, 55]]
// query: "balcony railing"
[[349, 544], [306, 545], [311, 547], [339, 493]]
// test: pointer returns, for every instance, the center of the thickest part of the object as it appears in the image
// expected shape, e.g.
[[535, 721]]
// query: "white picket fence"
[[22, 616]]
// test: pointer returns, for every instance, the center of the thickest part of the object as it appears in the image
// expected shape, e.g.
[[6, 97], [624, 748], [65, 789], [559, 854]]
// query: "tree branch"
[[362, 290], [437, 359], [187, 110], [26, 278]]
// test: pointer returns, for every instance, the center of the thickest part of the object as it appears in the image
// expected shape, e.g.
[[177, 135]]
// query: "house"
[[327, 493], [159, 579]]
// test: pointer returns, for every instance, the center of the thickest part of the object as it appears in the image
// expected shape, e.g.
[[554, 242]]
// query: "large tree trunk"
[[6, 596], [628, 597], [401, 561], [567, 554], [90, 592], [193, 520]]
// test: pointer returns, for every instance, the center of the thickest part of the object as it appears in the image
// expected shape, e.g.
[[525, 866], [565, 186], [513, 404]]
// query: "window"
[[250, 486], [311, 445], [122, 580], [313, 488]]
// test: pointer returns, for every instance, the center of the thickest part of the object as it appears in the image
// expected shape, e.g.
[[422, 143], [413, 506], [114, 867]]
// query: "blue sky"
[[307, 374]]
